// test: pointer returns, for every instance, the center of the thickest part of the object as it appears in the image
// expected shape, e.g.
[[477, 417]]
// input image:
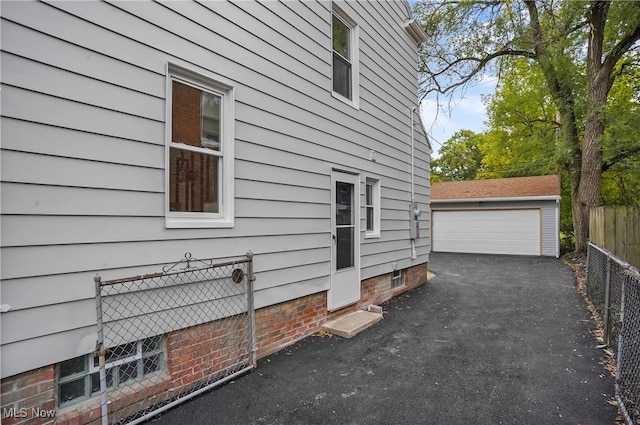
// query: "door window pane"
[[344, 247], [344, 203]]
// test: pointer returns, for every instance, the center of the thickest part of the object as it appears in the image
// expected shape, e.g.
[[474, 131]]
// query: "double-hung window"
[[372, 208], [199, 151], [344, 33]]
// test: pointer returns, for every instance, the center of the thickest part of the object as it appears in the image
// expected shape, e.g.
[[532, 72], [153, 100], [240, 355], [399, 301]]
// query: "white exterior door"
[[516, 231], [345, 240]]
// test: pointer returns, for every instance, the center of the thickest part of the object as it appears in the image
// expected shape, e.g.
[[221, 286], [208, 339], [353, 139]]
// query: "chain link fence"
[[604, 285], [628, 371], [166, 337], [613, 286]]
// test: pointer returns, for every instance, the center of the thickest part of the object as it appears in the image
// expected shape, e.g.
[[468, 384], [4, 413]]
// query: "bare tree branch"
[[620, 49], [606, 164], [464, 78]]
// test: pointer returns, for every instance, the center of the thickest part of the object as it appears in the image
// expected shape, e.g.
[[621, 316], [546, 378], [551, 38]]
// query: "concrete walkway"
[[489, 340]]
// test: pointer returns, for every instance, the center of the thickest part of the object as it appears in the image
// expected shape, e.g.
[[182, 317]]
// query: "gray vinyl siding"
[[83, 151], [550, 229], [549, 218]]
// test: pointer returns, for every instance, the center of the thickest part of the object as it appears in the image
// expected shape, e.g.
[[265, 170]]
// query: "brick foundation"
[[282, 324], [375, 290], [194, 353], [415, 276], [191, 354], [28, 398]]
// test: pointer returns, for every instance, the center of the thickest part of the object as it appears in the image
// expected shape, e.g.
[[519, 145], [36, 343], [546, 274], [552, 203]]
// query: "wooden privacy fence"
[[618, 230]]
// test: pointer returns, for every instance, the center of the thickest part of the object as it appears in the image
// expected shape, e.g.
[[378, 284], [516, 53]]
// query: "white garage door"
[[514, 232]]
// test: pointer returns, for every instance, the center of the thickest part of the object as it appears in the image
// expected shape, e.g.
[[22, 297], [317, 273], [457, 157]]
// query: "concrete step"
[[352, 324]]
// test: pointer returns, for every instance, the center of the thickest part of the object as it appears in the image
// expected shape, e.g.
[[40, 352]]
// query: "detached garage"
[[518, 216]]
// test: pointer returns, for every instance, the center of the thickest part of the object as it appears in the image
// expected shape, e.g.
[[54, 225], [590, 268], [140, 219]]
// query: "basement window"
[[397, 279], [78, 379]]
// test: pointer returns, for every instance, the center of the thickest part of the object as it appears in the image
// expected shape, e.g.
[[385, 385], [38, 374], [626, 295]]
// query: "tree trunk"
[[588, 194], [573, 164], [598, 85], [562, 94]]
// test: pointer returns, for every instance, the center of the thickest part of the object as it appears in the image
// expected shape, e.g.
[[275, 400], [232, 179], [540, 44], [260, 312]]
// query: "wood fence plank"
[[618, 230]]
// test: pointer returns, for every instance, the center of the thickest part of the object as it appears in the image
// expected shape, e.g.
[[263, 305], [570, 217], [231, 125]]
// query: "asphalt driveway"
[[489, 340]]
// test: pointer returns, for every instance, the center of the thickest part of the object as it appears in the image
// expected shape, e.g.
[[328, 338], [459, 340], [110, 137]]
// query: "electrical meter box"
[[414, 224]]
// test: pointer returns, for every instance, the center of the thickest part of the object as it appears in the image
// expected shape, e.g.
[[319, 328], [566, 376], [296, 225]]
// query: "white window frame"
[[375, 205], [224, 88], [354, 49]]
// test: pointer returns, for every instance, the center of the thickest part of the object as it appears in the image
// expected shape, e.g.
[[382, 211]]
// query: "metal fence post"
[[587, 271], [607, 303], [100, 352], [617, 385], [251, 310]]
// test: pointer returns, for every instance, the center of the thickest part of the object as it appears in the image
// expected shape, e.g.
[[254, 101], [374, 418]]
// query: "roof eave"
[[415, 31], [503, 199]]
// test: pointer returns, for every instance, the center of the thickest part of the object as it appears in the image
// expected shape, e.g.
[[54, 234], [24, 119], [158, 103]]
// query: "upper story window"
[[344, 34], [199, 151]]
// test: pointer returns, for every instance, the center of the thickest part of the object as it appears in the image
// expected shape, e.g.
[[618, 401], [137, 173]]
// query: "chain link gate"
[[614, 288], [166, 337]]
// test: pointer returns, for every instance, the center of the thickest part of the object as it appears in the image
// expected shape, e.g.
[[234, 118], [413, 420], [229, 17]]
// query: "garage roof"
[[539, 187]]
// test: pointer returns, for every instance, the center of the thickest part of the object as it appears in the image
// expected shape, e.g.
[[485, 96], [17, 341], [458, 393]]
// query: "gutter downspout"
[[414, 254], [413, 111], [557, 229]]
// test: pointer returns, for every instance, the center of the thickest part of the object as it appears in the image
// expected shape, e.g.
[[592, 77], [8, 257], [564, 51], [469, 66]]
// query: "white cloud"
[[488, 80], [464, 111]]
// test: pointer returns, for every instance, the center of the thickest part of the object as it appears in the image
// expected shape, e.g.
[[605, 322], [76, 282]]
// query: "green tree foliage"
[[460, 158], [621, 147], [522, 139], [578, 49], [522, 125]]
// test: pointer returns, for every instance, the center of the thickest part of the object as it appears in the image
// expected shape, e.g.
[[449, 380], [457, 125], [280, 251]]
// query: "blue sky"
[[462, 111], [465, 111]]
